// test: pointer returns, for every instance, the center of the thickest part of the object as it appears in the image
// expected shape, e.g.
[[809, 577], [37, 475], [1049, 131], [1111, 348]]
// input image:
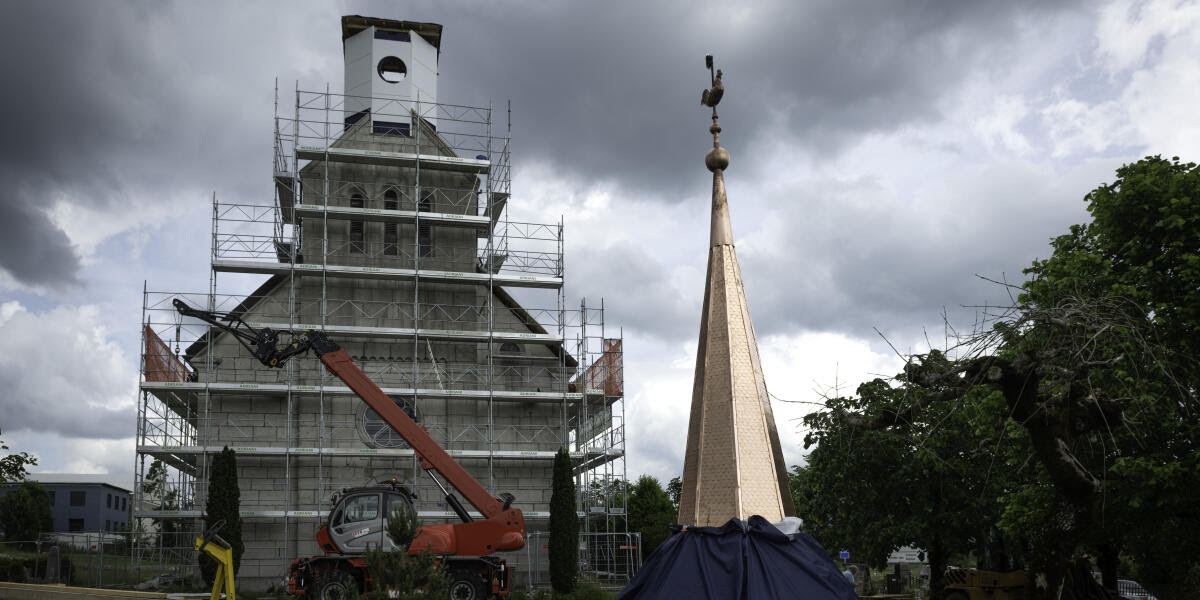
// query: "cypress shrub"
[[564, 526], [224, 502]]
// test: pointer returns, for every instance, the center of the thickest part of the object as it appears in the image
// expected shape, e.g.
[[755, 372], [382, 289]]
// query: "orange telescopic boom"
[[502, 527]]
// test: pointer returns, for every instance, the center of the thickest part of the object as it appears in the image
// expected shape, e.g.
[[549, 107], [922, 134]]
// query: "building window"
[[357, 242], [78, 498], [124, 503], [108, 501], [390, 230], [107, 525], [510, 348], [424, 230], [74, 524], [376, 432], [51, 492]]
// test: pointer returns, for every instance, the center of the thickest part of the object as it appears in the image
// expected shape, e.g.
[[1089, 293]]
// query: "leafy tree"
[[1142, 245], [1142, 248], [675, 490], [651, 512], [224, 503], [156, 489], [1093, 371], [564, 526], [25, 513], [873, 483], [13, 465], [398, 575]]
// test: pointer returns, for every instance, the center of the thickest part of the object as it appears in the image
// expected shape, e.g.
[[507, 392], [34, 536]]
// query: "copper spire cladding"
[[733, 466]]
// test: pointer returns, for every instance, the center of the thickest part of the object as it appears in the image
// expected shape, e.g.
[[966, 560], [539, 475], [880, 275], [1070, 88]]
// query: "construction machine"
[[982, 584], [359, 519]]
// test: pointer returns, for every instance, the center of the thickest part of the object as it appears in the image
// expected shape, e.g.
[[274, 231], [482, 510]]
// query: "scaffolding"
[[396, 242]]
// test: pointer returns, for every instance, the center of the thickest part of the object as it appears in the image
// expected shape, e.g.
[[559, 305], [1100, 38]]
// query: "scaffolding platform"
[[478, 166], [346, 331], [354, 272]]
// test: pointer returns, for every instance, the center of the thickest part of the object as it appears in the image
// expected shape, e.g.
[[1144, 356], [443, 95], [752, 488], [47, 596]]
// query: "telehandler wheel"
[[334, 584], [467, 585]]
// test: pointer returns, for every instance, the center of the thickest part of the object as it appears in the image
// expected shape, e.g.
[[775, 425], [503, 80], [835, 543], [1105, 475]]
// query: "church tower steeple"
[[734, 464]]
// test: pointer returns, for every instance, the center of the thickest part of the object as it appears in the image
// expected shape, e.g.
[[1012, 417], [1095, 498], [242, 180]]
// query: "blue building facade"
[[83, 504]]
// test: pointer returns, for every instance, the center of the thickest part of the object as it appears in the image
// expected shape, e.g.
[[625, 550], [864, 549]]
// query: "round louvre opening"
[[375, 432], [392, 69]]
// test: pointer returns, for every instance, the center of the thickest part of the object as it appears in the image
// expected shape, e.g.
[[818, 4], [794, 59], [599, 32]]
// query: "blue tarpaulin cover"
[[751, 560]]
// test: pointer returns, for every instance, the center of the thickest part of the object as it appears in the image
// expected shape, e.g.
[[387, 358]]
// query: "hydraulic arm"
[[502, 528]]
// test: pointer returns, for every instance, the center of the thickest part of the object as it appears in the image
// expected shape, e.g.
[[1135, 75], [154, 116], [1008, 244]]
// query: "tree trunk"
[[1053, 556], [1075, 490], [938, 561], [1108, 559]]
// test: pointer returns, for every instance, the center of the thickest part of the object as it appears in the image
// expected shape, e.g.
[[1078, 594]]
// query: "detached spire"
[[734, 465]]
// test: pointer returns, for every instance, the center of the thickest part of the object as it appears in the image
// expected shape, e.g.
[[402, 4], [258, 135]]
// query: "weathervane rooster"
[[712, 96]]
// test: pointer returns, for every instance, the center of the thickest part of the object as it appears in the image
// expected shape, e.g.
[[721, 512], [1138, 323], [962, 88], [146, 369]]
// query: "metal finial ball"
[[716, 159]]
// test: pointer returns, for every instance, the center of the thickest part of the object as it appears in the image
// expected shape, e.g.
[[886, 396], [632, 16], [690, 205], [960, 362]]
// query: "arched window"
[[510, 348], [390, 230], [358, 244]]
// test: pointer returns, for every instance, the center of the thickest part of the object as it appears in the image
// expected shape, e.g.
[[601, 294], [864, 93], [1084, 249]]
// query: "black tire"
[[467, 585], [333, 584], [956, 595]]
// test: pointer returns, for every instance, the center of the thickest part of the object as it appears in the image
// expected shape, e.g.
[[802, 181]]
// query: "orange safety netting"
[[161, 363], [606, 372]]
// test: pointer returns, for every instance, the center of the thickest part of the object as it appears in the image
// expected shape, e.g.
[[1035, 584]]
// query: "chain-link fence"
[[99, 559], [607, 559]]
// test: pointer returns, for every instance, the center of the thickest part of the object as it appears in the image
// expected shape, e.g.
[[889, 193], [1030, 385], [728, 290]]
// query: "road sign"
[[844, 554]]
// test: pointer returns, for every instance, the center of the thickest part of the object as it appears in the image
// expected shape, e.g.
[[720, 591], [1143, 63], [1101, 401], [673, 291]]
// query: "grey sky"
[[883, 154]]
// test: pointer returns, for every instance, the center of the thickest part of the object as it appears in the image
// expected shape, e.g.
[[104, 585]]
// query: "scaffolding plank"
[[478, 223], [313, 514], [351, 452], [259, 389], [346, 271], [594, 460], [459, 335], [393, 159]]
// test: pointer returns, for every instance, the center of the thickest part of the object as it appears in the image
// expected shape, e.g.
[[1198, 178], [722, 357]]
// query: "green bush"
[[25, 513], [584, 590], [398, 575], [12, 569]]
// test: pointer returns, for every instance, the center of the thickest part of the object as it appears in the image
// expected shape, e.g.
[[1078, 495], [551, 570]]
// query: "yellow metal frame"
[[224, 577]]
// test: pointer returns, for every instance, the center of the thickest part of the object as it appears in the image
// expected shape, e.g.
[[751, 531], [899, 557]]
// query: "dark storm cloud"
[[612, 90], [610, 93], [852, 267], [32, 248], [651, 307], [109, 102]]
